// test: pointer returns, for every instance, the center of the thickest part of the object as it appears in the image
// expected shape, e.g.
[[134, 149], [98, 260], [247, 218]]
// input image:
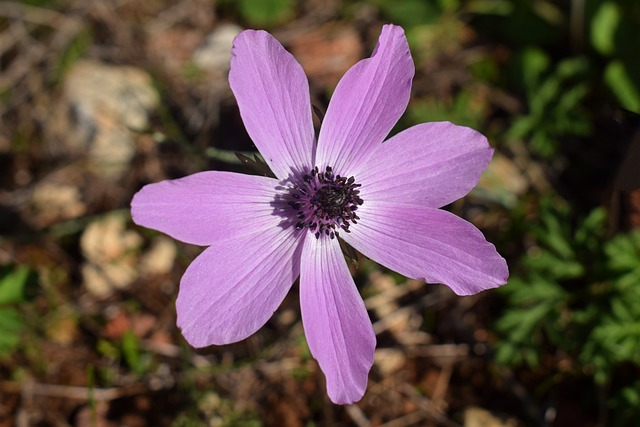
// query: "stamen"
[[325, 203]]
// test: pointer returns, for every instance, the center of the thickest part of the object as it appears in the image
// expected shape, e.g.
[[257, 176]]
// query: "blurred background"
[[98, 98]]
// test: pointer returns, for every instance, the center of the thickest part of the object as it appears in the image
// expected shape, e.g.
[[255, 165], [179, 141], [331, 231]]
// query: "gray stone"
[[214, 55], [108, 105]]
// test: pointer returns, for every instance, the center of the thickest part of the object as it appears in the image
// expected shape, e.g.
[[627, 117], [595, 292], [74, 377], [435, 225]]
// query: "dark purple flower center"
[[325, 203]]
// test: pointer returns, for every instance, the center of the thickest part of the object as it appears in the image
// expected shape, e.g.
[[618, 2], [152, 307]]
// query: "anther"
[[324, 202]]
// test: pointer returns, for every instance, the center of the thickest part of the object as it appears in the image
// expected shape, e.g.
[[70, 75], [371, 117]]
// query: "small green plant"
[[613, 30], [576, 296], [17, 285], [554, 101], [128, 350]]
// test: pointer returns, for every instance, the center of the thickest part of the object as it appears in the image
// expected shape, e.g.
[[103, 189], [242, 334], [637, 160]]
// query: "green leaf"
[[603, 27], [521, 325], [266, 12], [620, 340], [108, 350], [589, 232], [131, 350], [556, 267], [449, 4], [533, 63], [620, 310], [554, 235], [623, 86], [632, 394], [629, 282], [490, 7], [16, 285], [410, 13], [11, 324], [624, 252], [533, 291]]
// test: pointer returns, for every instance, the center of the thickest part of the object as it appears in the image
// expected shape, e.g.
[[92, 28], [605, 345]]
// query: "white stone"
[[214, 54]]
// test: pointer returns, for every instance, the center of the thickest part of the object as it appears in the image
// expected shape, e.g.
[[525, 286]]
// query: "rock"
[[214, 55], [159, 259], [107, 104], [110, 251], [478, 417], [114, 255], [52, 202]]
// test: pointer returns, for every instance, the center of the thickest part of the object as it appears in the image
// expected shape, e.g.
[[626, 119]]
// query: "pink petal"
[[428, 244], [367, 103], [234, 286], [338, 329], [273, 96], [431, 164], [206, 207]]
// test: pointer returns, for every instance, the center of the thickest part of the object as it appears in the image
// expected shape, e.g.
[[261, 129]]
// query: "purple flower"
[[381, 198]]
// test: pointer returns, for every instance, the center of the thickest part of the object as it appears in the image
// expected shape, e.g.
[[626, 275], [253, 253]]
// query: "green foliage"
[[625, 403], [520, 22], [613, 34], [538, 302], [554, 98], [616, 337], [462, 110], [133, 355], [128, 350], [604, 25], [555, 88], [10, 327], [432, 27], [411, 13], [259, 13], [622, 85], [575, 295], [266, 13], [17, 286]]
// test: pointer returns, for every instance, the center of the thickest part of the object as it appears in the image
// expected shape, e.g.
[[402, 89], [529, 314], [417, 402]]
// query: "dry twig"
[[29, 389]]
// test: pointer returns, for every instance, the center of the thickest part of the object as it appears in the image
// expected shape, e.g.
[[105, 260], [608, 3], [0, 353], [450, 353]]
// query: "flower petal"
[[234, 286], [429, 244], [273, 96], [338, 329], [367, 103], [206, 207], [431, 164]]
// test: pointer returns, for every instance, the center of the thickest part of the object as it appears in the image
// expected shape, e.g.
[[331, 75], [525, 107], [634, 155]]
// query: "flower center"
[[325, 203]]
